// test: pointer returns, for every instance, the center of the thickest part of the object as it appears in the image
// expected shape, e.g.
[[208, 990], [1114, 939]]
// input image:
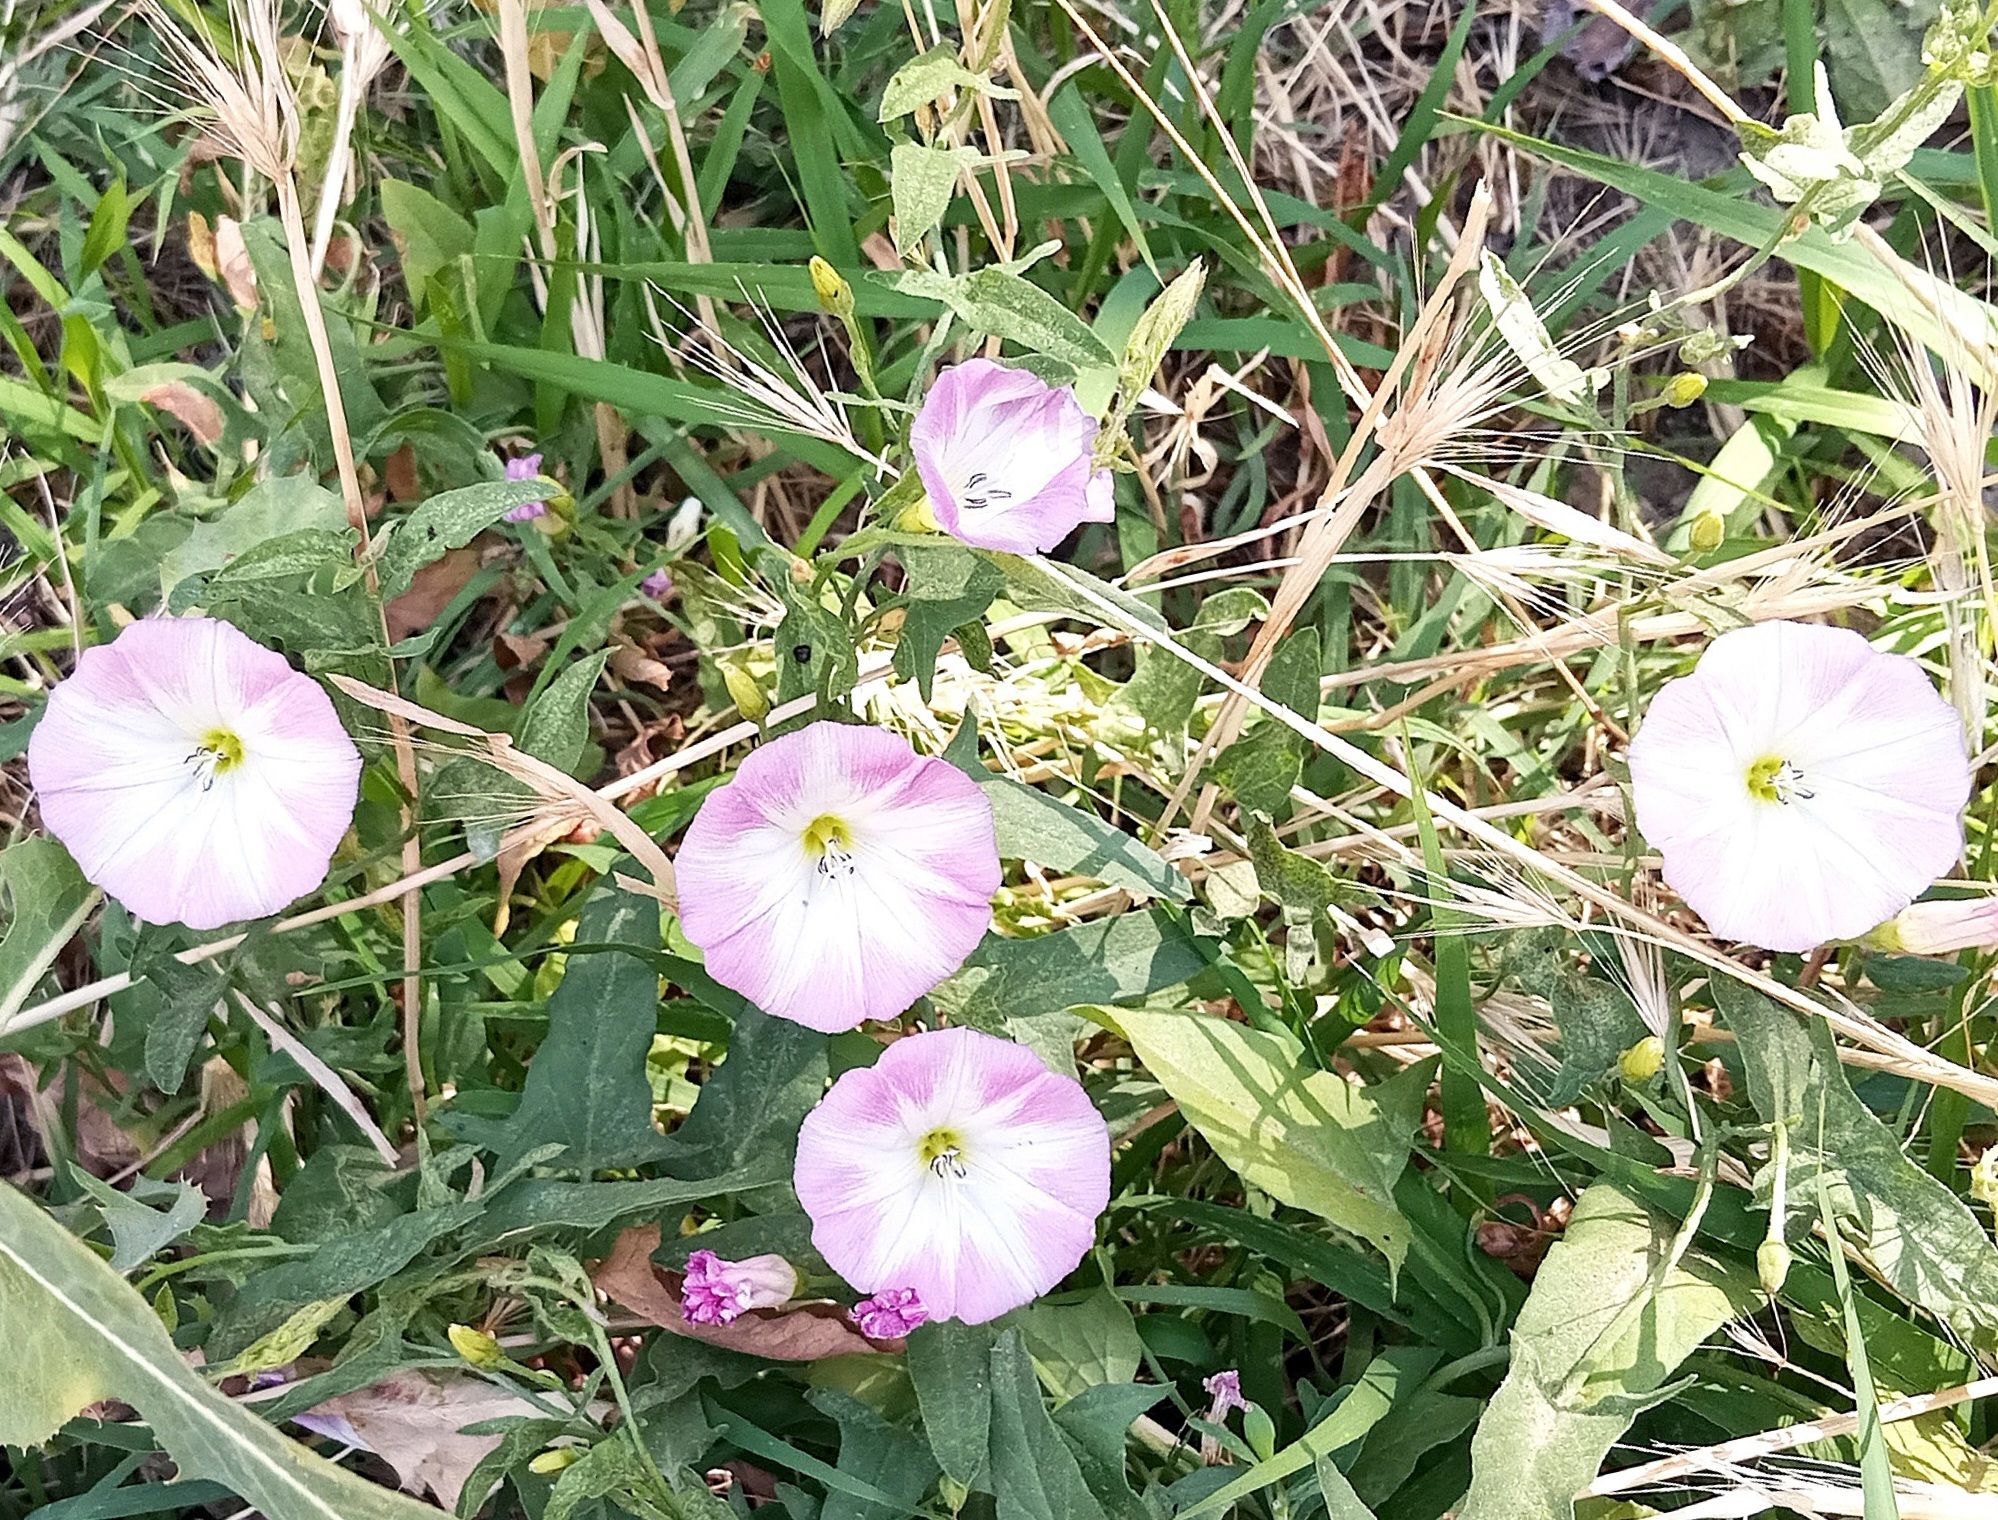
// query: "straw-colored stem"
[[293, 218], [333, 189]]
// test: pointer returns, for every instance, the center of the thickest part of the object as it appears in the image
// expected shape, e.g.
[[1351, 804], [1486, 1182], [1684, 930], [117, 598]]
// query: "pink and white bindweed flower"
[[193, 774], [718, 1292], [1940, 928], [1007, 458], [1801, 785], [526, 467], [839, 876], [957, 1168], [1224, 1392]]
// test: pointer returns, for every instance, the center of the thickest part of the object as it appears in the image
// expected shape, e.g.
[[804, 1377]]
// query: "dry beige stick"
[[1674, 56], [1768, 1442], [292, 214], [552, 784], [323, 1076]]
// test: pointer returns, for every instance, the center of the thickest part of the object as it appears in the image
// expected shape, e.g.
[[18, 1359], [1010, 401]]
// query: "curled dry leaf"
[[414, 1421], [808, 1333], [197, 413], [232, 263]]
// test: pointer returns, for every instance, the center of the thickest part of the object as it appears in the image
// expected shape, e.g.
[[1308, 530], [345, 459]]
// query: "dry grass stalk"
[[327, 1080], [257, 117]]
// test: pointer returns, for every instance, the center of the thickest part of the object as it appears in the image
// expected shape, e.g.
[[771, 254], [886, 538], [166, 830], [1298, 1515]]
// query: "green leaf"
[[447, 521], [188, 996], [1308, 1138], [1912, 1230], [947, 586], [881, 1459], [1130, 956], [1361, 1408], [47, 901], [750, 1107], [1258, 771], [950, 1364], [1597, 1019], [1151, 336], [429, 235], [270, 510], [556, 727], [922, 182], [1302, 887], [1034, 1473], [1082, 1344], [1605, 1326], [78, 1334], [587, 1088], [138, 1230], [925, 78], [994, 301]]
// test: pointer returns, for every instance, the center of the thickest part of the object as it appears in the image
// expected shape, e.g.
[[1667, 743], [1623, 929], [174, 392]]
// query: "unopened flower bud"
[[1772, 1266], [1707, 532], [477, 1347], [554, 1460], [717, 1292], [1940, 928], [745, 691], [1684, 388], [831, 287], [1642, 1061]]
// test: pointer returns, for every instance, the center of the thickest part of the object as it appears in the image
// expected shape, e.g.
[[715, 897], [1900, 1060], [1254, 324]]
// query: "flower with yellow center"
[[1801, 785]]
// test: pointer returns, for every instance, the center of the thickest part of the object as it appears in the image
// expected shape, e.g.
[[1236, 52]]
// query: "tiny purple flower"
[[1225, 1389], [658, 585], [1007, 458], [956, 1166], [526, 467], [888, 1314], [718, 1292]]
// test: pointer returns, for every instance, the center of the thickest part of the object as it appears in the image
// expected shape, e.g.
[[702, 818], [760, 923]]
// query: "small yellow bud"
[[476, 1347], [1684, 388], [1707, 531], [745, 691], [831, 287], [917, 517], [1642, 1061], [1984, 1178], [1772, 1265], [554, 1460]]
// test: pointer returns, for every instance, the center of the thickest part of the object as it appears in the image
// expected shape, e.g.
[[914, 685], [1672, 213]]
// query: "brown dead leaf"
[[881, 253], [633, 664], [519, 651], [806, 1333], [399, 475], [413, 1420], [197, 413], [431, 591]]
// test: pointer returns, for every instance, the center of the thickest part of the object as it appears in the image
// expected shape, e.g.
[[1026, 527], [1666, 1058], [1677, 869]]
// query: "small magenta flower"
[[1224, 1389], [717, 1292], [658, 585], [1006, 458], [1801, 785], [957, 1168], [1940, 928], [526, 467], [193, 774], [889, 1314], [839, 876]]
